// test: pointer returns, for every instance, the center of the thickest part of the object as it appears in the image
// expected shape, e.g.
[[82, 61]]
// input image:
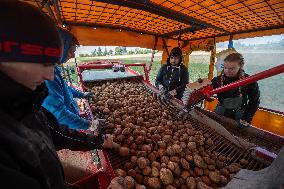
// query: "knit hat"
[[176, 51], [27, 34]]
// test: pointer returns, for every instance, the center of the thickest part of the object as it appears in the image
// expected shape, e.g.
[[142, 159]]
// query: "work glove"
[[162, 93], [88, 94], [242, 124], [173, 92], [108, 142], [183, 112], [160, 87], [97, 125], [167, 96]]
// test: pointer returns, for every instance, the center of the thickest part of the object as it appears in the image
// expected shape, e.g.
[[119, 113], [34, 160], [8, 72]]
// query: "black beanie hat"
[[176, 51], [27, 34]]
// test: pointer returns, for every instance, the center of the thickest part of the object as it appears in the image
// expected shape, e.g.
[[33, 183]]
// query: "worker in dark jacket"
[[241, 103], [173, 77], [29, 135]]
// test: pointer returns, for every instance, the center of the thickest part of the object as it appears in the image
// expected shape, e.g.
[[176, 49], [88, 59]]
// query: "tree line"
[[117, 51], [269, 45]]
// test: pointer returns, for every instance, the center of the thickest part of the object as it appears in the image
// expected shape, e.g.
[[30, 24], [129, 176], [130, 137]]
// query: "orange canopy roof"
[[193, 20]]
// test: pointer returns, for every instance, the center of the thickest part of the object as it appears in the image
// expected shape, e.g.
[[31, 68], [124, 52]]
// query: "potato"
[[139, 186], [176, 183], [163, 165], [139, 178], [170, 187], [165, 159], [126, 131], [214, 177], [175, 159], [133, 146], [140, 120], [130, 140], [177, 149], [172, 165], [202, 185], [120, 173], [120, 138], [147, 148], [133, 160], [220, 164], [211, 167], [225, 172], [132, 173], [167, 138], [124, 151], [184, 164], [156, 164], [166, 176], [142, 162], [190, 182], [183, 186], [129, 181], [234, 167], [117, 131], [106, 110], [206, 180], [127, 166], [146, 179], [223, 180], [209, 161], [147, 171], [198, 171], [156, 137], [153, 156], [161, 152], [154, 183], [141, 154], [199, 161], [155, 172], [243, 162], [185, 174], [170, 151], [189, 157], [209, 142], [139, 140]]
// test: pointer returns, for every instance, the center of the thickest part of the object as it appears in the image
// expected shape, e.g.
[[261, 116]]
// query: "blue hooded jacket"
[[60, 101]]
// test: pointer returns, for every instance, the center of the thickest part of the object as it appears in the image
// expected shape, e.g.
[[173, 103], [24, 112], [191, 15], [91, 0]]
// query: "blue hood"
[[66, 38]]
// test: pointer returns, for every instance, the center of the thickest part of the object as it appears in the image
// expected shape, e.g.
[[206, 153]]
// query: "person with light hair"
[[241, 103]]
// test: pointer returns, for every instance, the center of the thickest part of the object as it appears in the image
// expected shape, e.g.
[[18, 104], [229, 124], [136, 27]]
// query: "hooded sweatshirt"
[[60, 101], [173, 77]]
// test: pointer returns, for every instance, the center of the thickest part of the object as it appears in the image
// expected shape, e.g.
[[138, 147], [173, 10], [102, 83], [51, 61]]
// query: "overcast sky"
[[249, 41]]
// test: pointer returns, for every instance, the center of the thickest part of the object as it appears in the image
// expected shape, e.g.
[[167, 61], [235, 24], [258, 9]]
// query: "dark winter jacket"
[[173, 77], [29, 138], [250, 94]]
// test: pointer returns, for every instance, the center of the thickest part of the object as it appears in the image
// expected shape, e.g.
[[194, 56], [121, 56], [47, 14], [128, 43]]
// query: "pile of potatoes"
[[163, 151]]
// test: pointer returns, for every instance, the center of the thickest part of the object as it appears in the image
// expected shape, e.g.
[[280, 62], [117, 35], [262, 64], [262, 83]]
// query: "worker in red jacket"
[[30, 48]]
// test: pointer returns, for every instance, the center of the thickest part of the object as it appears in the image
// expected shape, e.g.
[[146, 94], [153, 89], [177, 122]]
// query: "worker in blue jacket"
[[60, 101]]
